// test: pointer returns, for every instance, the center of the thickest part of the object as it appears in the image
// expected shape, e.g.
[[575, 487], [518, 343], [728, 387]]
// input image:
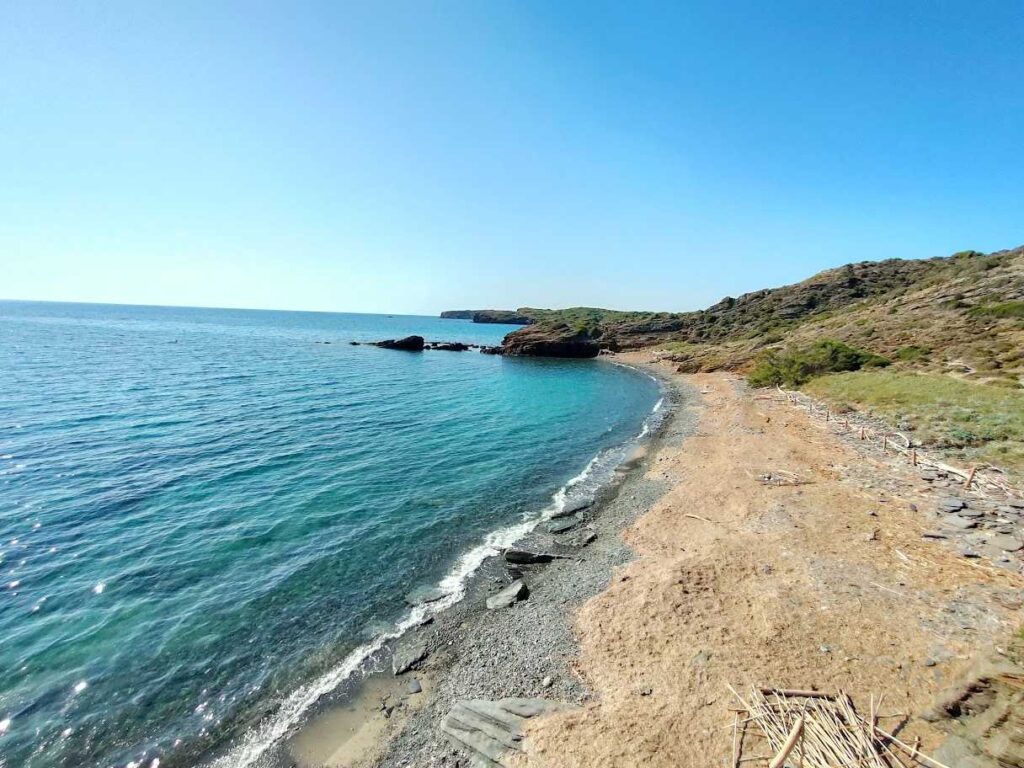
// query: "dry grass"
[[977, 422]]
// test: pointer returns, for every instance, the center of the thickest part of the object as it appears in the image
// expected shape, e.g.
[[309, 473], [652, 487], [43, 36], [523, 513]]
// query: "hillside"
[[964, 310], [940, 342]]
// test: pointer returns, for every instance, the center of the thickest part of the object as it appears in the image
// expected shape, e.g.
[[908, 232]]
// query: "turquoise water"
[[208, 518]]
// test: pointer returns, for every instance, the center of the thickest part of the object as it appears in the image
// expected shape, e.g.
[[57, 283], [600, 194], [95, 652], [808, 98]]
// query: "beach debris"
[[564, 524], [816, 729], [510, 595], [779, 477], [489, 730], [408, 657], [527, 557]]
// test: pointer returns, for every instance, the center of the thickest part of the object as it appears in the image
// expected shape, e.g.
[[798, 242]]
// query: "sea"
[[211, 518]]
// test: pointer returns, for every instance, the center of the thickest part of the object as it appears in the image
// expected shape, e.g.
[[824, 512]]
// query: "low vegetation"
[[797, 366], [978, 422], [1001, 310]]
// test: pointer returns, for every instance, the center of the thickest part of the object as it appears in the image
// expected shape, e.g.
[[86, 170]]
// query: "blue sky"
[[413, 157]]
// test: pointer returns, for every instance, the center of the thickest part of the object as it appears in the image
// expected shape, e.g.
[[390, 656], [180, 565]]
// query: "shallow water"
[[206, 516]]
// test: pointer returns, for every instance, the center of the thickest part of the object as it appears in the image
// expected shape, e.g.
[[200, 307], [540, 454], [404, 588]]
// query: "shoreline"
[[473, 652], [352, 715]]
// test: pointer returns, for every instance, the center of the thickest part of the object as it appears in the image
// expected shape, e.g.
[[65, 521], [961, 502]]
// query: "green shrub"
[[1006, 309], [911, 353], [794, 367]]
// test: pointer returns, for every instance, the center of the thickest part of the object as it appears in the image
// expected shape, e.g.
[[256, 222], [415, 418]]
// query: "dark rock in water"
[[572, 508], [526, 557], [455, 346], [408, 344], [511, 594], [490, 729], [354, 343], [490, 350], [562, 525], [424, 595], [408, 657]]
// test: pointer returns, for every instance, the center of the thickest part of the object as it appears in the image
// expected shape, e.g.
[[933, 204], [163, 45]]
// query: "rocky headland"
[[494, 316]]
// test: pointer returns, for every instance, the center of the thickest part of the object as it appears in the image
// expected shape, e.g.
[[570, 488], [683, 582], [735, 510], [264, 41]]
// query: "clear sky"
[[414, 157]]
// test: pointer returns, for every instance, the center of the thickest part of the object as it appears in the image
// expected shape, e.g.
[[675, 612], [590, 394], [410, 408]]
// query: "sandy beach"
[[703, 574]]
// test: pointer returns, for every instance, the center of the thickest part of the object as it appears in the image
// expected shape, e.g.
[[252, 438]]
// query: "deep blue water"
[[207, 518]]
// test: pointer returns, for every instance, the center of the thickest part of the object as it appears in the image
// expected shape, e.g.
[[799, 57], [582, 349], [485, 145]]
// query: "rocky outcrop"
[[557, 340], [457, 314], [492, 730], [408, 344]]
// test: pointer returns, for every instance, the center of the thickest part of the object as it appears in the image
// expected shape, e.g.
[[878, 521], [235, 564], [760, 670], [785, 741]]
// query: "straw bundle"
[[812, 729]]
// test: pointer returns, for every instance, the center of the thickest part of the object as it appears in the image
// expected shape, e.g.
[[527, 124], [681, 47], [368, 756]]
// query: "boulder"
[[408, 344], [511, 594], [423, 595], [1006, 543], [408, 657], [969, 512], [951, 504], [563, 524], [959, 523], [572, 507], [454, 346], [526, 557]]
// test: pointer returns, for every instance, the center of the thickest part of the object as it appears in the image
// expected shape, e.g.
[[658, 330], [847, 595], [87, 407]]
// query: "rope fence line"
[[982, 477]]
